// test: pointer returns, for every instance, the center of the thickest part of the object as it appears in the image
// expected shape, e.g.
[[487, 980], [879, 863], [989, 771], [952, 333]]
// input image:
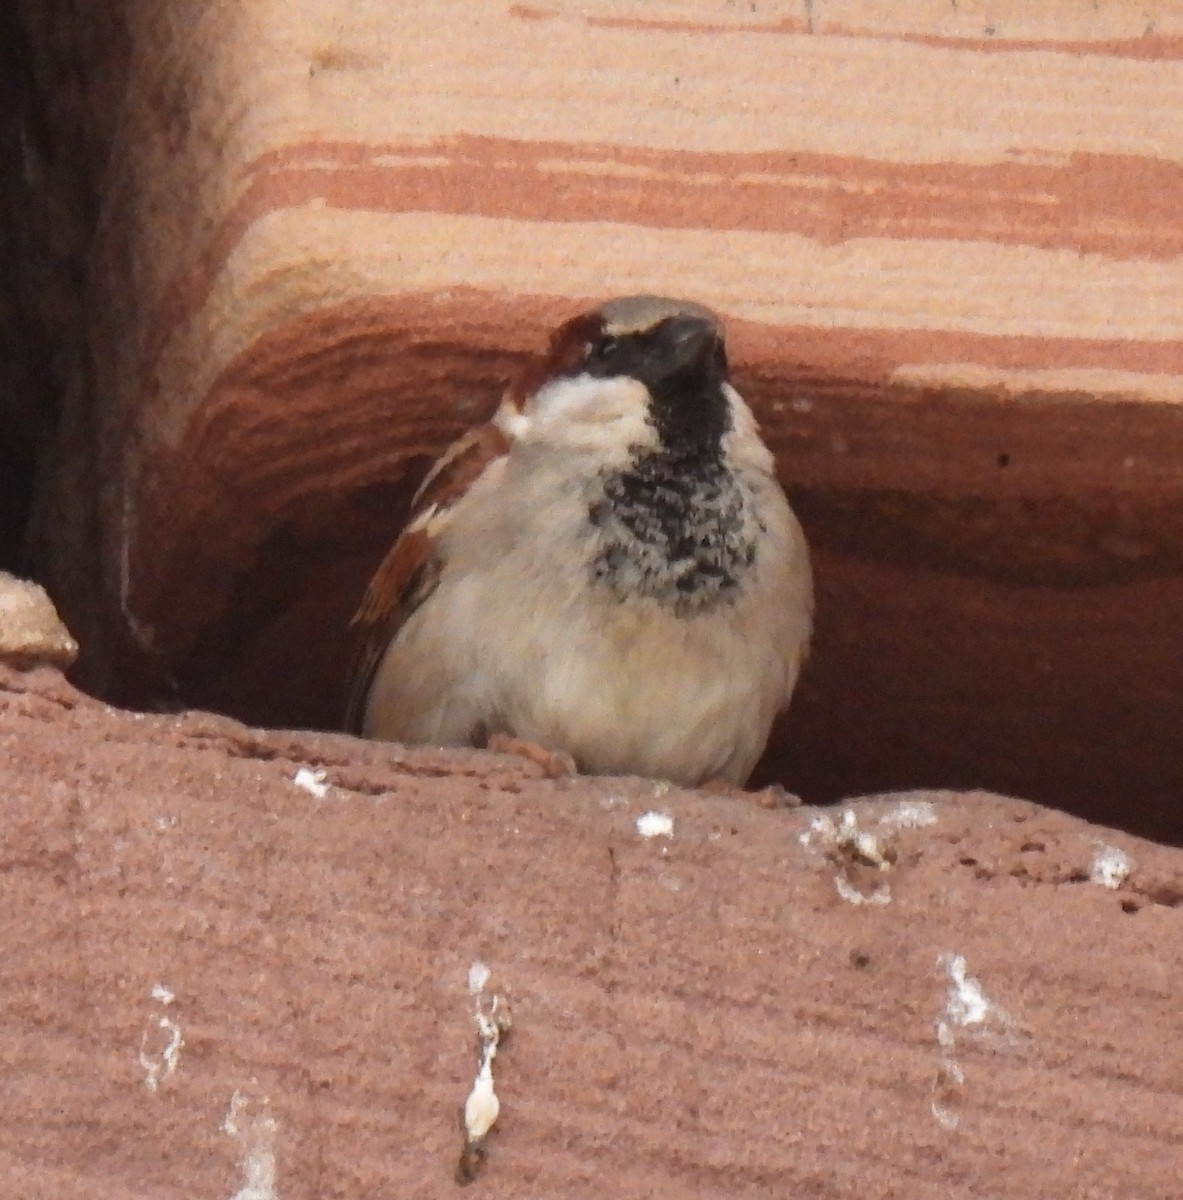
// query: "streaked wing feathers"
[[410, 571]]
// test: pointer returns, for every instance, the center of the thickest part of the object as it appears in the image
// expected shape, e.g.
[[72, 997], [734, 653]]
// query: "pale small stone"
[[31, 632]]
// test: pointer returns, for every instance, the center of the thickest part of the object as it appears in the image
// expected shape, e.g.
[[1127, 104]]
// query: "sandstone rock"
[[31, 632], [216, 976], [947, 248], [309, 243]]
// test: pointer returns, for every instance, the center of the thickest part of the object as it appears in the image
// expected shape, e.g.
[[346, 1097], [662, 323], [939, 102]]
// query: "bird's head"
[[642, 371]]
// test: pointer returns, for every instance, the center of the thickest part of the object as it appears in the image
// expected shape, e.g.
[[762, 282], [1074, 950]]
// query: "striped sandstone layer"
[[946, 242]]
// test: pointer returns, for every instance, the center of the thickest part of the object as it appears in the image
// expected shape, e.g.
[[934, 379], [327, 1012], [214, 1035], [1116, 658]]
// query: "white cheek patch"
[[744, 443], [743, 422], [515, 425], [586, 400]]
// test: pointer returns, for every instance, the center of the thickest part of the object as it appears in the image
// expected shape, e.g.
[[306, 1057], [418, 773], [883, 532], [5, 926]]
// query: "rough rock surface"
[[219, 982], [945, 241]]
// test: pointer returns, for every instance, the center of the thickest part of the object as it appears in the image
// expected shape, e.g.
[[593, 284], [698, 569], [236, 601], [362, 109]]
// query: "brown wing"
[[410, 571]]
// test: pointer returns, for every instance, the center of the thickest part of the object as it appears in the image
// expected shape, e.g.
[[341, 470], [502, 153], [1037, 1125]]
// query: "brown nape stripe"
[[563, 355], [1115, 205]]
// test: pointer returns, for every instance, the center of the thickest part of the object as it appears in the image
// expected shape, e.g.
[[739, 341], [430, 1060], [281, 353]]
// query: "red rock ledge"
[[218, 982]]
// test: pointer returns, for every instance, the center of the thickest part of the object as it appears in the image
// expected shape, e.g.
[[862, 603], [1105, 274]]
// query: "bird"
[[608, 569]]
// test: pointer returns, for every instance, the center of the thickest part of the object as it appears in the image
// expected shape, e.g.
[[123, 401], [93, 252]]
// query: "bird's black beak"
[[688, 344]]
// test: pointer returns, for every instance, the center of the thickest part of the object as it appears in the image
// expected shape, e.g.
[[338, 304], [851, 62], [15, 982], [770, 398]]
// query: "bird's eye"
[[606, 350]]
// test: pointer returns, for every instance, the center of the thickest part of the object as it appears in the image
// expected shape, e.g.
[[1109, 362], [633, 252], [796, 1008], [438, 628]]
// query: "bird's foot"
[[772, 796], [555, 764]]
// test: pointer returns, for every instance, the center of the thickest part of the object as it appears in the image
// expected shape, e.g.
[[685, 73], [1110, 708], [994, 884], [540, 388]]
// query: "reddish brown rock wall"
[[945, 246]]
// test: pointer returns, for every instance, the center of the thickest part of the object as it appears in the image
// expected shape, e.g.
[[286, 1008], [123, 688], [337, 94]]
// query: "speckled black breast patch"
[[673, 527]]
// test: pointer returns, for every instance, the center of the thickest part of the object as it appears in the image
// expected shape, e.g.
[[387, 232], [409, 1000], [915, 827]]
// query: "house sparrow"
[[608, 568]]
